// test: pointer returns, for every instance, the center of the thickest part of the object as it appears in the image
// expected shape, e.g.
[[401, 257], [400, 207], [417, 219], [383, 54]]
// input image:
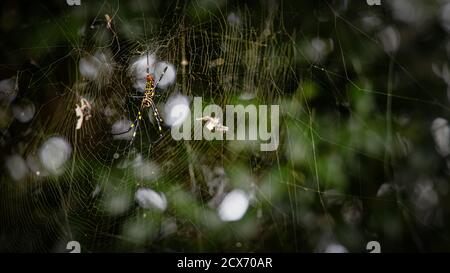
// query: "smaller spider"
[[214, 123], [83, 112]]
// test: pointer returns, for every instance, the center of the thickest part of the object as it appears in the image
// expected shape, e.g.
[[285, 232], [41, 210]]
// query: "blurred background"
[[363, 92]]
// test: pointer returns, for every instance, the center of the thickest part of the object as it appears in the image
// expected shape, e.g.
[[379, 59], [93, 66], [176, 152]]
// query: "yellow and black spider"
[[147, 102]]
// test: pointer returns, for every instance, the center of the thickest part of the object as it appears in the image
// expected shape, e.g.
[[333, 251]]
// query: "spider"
[[147, 102], [83, 112]]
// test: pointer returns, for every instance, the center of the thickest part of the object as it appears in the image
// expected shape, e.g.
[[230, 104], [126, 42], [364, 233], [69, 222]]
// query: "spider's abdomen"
[[148, 86]]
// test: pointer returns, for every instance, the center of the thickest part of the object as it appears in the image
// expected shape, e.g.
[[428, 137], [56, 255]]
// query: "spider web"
[[339, 124]]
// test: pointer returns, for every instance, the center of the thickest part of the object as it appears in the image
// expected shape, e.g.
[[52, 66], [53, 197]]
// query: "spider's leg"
[[135, 131], [157, 117], [132, 126], [162, 75], [156, 112], [135, 125], [124, 132]]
